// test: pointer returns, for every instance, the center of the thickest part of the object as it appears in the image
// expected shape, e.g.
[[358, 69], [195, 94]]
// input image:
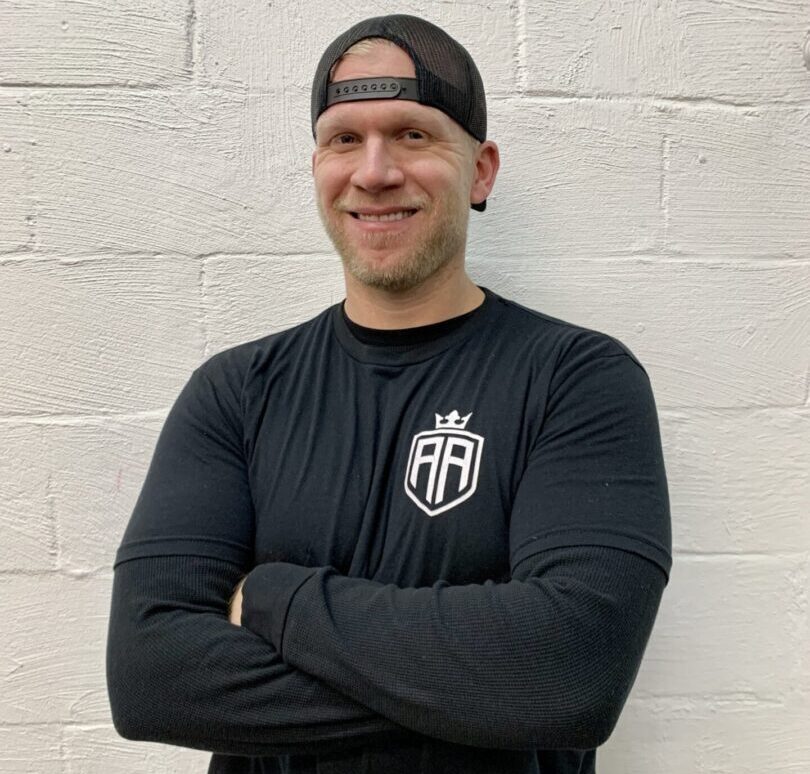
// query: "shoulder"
[[240, 359], [228, 373], [566, 343]]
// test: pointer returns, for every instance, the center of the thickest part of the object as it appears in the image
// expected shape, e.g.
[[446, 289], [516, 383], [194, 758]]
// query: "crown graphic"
[[453, 421]]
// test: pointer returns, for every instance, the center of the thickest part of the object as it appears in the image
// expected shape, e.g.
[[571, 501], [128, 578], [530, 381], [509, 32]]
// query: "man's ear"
[[487, 163], [314, 153]]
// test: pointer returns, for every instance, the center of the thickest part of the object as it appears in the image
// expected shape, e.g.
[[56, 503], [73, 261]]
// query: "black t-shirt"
[[456, 537]]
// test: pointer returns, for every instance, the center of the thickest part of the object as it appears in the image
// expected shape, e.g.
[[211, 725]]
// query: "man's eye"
[[344, 139], [415, 134]]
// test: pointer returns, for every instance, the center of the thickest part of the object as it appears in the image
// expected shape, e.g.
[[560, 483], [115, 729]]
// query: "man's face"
[[392, 180]]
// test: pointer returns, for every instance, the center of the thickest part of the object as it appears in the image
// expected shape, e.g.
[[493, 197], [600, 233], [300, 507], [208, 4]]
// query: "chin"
[[393, 267], [400, 275]]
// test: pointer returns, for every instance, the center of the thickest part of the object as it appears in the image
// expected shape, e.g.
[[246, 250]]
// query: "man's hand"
[[235, 609]]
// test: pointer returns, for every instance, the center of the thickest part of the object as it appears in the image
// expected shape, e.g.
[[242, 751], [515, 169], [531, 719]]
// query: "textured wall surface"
[[156, 207]]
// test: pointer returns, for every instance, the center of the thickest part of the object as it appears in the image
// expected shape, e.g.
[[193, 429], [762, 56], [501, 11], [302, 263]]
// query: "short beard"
[[444, 243]]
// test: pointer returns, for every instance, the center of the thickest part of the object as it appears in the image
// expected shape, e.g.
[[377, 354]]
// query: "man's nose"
[[377, 167]]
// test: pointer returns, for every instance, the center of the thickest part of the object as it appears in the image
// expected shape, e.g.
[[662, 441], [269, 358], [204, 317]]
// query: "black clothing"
[[460, 542], [418, 335]]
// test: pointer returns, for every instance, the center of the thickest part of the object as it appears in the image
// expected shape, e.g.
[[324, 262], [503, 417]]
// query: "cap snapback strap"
[[372, 88]]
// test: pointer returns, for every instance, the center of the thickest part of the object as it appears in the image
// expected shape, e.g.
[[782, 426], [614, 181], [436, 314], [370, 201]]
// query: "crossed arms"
[[323, 661]]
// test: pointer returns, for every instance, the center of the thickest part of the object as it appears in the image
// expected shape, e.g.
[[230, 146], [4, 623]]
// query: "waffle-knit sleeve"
[[178, 671]]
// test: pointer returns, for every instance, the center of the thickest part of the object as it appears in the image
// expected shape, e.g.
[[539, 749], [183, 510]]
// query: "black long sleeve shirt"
[[456, 542]]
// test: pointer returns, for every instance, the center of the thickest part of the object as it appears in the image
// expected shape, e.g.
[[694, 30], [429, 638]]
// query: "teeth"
[[390, 216]]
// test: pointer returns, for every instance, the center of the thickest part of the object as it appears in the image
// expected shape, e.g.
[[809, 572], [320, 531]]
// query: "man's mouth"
[[399, 215]]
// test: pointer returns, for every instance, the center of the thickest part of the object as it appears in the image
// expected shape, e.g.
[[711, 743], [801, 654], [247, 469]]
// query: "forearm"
[[180, 673], [543, 661]]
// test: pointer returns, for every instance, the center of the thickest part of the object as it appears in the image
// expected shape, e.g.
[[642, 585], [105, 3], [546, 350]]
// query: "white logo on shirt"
[[443, 464]]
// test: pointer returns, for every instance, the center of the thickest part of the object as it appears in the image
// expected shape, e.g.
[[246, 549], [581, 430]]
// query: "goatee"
[[431, 252]]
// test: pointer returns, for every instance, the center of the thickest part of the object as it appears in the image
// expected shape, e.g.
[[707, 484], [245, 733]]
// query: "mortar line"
[[740, 555], [203, 314], [63, 761], [72, 420], [521, 48], [786, 258], [556, 96], [723, 697], [111, 85], [72, 575], [665, 192], [191, 29], [54, 550], [542, 96], [807, 388]]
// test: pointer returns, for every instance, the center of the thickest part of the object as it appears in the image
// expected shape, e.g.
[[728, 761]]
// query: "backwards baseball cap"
[[446, 76]]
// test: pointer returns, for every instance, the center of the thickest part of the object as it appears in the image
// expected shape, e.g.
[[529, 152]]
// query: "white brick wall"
[[156, 207]]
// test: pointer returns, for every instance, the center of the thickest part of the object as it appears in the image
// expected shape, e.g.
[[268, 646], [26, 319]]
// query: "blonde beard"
[[436, 249]]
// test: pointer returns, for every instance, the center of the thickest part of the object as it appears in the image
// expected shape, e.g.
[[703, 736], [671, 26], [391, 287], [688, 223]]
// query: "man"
[[427, 530]]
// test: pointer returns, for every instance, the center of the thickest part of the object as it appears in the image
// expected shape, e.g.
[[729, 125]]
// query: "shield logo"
[[443, 464]]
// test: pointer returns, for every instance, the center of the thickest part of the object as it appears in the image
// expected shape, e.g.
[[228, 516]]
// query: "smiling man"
[[395, 180], [427, 530]]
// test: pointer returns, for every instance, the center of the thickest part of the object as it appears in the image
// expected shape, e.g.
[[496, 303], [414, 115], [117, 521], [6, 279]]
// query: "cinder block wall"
[[156, 207]]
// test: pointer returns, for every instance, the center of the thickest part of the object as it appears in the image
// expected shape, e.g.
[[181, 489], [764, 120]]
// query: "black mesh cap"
[[446, 76]]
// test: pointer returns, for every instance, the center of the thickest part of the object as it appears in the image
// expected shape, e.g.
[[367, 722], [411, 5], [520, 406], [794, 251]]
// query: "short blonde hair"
[[364, 46]]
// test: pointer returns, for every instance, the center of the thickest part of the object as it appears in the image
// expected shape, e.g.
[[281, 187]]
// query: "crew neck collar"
[[411, 345]]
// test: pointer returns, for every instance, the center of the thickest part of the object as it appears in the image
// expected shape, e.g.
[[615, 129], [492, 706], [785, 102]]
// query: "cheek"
[[438, 176], [330, 179]]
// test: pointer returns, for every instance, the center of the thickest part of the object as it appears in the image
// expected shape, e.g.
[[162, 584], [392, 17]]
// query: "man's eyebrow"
[[406, 118]]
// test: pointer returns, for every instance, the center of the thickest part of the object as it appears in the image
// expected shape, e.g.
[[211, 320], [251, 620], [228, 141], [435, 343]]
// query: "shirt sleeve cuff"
[[266, 596]]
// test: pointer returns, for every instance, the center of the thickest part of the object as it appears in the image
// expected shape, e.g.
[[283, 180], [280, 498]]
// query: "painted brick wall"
[[156, 207]]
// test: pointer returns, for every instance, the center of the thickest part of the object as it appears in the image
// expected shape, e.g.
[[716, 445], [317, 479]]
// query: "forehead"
[[386, 114]]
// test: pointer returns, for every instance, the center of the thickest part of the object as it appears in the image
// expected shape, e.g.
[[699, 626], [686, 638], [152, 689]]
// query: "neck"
[[438, 298]]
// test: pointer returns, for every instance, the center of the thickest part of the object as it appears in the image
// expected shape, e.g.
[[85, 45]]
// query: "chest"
[[401, 475]]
